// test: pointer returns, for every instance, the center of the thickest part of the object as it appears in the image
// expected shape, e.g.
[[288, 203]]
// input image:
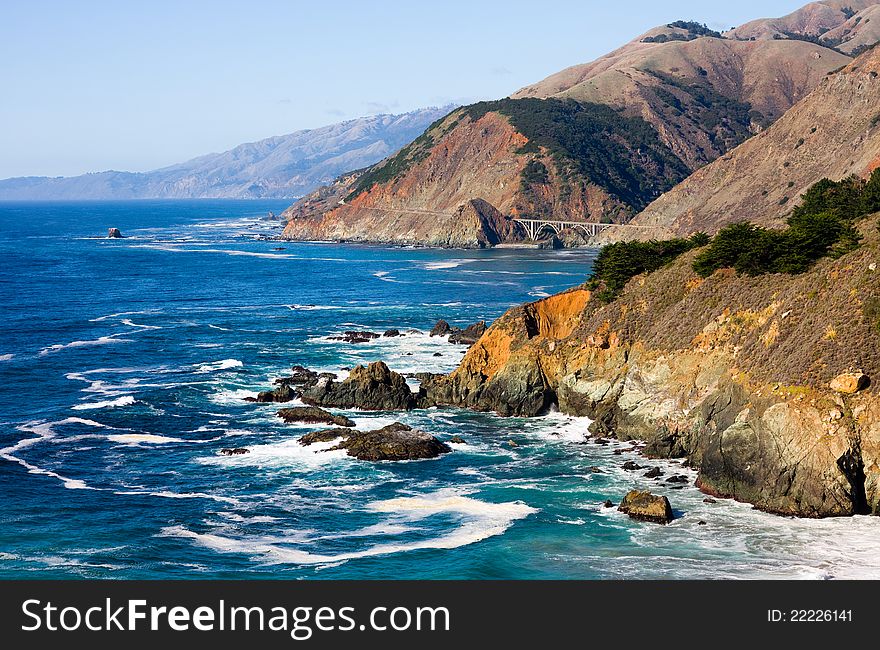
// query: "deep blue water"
[[123, 368]]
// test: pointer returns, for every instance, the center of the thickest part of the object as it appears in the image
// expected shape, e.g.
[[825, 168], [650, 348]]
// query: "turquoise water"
[[124, 364]]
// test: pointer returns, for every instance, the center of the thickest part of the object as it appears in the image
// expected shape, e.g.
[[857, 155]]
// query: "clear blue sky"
[[89, 86]]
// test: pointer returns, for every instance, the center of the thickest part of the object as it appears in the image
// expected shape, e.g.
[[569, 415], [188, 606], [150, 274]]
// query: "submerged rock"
[[236, 451], [373, 388], [644, 506], [395, 442], [313, 415]]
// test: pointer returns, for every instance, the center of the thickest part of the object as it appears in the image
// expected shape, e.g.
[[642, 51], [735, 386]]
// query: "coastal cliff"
[[733, 372]]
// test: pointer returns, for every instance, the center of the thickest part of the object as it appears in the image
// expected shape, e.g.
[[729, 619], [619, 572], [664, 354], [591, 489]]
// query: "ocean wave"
[[103, 340], [138, 438], [284, 454], [6, 357], [223, 251], [214, 366], [478, 520], [445, 264], [123, 313], [296, 307], [125, 400], [167, 494], [128, 321], [383, 275]]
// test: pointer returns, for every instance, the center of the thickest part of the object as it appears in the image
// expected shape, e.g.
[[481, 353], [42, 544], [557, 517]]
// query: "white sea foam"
[[130, 323], [122, 313], [312, 307], [45, 431], [289, 453], [6, 357], [214, 366], [445, 264], [477, 520], [167, 494], [223, 251], [232, 396], [138, 438], [103, 340], [125, 400], [383, 275]]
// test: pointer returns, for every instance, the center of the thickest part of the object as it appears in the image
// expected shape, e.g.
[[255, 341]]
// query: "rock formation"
[[313, 415], [644, 506], [394, 442], [373, 388]]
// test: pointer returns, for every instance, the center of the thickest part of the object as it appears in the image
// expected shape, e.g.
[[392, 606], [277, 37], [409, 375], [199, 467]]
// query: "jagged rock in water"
[[654, 472], [236, 451], [313, 415], [113, 233], [373, 388], [457, 440], [392, 332], [284, 393], [355, 337], [470, 335], [441, 328], [644, 506], [395, 442]]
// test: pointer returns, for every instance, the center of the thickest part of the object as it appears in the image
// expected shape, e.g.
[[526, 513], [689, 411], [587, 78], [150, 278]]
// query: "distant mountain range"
[[284, 166], [598, 141]]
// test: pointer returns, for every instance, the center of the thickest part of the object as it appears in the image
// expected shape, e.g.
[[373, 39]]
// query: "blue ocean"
[[125, 364]]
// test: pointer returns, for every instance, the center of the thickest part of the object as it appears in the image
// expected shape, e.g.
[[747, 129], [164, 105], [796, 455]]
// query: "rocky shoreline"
[[731, 374]]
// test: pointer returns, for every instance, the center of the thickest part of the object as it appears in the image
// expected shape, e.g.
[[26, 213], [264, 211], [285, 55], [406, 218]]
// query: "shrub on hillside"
[[820, 226], [620, 262]]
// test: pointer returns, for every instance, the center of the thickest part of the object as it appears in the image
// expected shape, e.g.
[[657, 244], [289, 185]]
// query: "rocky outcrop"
[[394, 442], [114, 233], [372, 388], [731, 372], [313, 415], [469, 335], [284, 393], [234, 451], [644, 506], [355, 337], [849, 383]]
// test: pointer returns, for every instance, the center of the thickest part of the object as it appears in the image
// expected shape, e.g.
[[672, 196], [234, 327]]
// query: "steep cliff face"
[[732, 372], [834, 132], [596, 142]]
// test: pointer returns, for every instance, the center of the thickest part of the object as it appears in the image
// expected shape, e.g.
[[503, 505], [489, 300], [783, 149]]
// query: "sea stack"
[[113, 233]]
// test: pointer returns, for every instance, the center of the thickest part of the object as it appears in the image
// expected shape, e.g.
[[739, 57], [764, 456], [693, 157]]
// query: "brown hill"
[[845, 25], [594, 142], [834, 132]]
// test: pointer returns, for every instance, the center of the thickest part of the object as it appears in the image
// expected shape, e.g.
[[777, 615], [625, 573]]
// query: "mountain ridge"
[[285, 166], [700, 92]]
